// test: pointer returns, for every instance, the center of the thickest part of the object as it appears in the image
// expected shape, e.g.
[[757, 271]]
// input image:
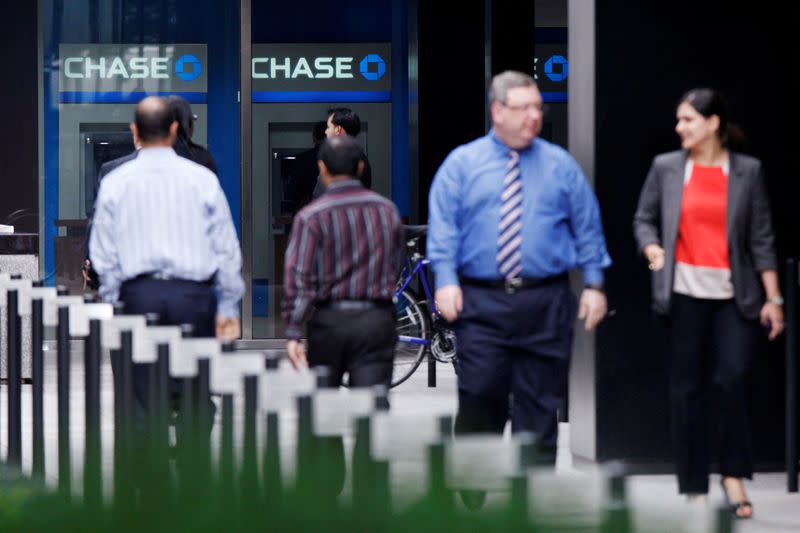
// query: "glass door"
[[98, 60], [301, 66]]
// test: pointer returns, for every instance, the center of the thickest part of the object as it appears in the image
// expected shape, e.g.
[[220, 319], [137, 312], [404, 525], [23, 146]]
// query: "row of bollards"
[[152, 479]]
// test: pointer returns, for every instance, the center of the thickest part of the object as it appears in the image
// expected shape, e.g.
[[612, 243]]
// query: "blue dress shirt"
[[561, 228]]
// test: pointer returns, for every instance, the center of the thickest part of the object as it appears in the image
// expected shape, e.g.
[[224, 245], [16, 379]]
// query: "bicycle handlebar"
[[412, 232]]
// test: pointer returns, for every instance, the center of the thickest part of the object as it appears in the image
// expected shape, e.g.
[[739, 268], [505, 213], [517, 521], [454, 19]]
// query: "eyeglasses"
[[527, 107]]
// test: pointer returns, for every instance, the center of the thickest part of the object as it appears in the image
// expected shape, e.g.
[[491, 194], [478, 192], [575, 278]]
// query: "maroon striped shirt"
[[346, 245]]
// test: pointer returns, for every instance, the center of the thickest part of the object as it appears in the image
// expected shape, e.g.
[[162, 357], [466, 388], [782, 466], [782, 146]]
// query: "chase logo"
[[372, 67], [188, 67], [556, 68]]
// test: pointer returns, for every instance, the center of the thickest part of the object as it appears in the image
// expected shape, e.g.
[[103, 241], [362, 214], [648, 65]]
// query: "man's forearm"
[[446, 274], [296, 300], [231, 290], [228, 307], [109, 287], [294, 312], [593, 276], [294, 332]]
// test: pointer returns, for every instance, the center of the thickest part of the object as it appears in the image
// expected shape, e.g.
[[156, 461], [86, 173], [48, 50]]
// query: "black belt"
[[511, 285], [165, 277], [354, 305]]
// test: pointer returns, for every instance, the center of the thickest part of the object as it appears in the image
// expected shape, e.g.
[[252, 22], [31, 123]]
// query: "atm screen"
[[98, 148], [293, 179]]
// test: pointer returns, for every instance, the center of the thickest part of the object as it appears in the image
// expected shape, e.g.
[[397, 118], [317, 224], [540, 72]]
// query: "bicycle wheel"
[[413, 330]]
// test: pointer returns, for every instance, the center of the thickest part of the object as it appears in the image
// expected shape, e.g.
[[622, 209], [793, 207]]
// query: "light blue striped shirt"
[[561, 227], [163, 213]]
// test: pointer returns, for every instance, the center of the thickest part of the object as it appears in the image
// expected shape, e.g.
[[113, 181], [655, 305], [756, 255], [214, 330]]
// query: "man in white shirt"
[[163, 238]]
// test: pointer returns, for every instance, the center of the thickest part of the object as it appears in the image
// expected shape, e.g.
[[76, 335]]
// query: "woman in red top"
[[703, 223]]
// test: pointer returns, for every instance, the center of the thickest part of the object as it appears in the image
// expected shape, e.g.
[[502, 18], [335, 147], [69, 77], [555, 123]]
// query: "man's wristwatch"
[[595, 286], [777, 300]]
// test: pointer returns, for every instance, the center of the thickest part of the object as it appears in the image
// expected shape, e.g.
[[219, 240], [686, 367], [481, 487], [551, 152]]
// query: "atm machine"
[[99, 86], [294, 85], [103, 143]]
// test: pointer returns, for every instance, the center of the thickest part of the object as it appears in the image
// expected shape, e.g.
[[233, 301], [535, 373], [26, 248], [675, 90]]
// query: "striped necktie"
[[509, 253]]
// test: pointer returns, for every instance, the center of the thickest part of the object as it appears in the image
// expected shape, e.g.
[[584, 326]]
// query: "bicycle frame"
[[420, 269]]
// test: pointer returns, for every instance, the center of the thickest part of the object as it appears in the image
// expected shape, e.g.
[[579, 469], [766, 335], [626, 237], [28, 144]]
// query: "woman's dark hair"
[[184, 146], [182, 112], [709, 102]]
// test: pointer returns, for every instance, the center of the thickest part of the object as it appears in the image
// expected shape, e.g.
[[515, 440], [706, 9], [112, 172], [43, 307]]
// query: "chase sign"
[[127, 72], [311, 72]]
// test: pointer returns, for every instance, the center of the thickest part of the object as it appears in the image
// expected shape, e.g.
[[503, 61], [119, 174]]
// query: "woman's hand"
[[772, 311], [655, 256], [772, 316]]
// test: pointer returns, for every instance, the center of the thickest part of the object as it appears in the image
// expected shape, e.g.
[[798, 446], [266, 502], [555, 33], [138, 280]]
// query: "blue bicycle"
[[420, 327]]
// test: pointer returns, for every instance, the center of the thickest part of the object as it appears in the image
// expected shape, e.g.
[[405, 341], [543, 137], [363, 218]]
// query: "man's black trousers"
[[361, 344]]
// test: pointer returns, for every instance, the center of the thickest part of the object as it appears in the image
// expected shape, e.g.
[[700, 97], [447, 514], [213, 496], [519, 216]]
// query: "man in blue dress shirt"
[[510, 215]]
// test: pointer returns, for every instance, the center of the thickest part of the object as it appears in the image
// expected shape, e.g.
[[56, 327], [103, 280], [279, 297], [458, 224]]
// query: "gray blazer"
[[751, 246]]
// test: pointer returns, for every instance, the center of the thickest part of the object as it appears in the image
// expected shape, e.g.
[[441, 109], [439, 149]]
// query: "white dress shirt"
[[161, 213]]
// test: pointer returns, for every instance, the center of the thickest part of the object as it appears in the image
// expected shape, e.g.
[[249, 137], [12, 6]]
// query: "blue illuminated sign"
[[188, 67], [372, 67], [556, 68]]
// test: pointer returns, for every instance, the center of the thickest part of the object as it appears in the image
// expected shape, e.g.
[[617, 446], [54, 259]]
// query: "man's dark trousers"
[[513, 355], [360, 343], [176, 302]]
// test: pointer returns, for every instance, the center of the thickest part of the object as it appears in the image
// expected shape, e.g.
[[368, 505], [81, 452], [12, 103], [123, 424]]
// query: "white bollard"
[[228, 371], [183, 364], [278, 389], [136, 324], [334, 410]]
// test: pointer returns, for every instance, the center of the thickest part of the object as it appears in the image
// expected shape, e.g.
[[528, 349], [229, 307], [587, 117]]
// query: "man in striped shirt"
[[344, 257]]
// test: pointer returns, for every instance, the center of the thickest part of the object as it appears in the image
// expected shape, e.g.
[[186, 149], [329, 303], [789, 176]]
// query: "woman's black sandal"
[[734, 507]]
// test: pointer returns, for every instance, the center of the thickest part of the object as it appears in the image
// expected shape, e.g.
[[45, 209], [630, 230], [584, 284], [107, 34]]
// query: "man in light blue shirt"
[[510, 215], [163, 238], [160, 217]]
